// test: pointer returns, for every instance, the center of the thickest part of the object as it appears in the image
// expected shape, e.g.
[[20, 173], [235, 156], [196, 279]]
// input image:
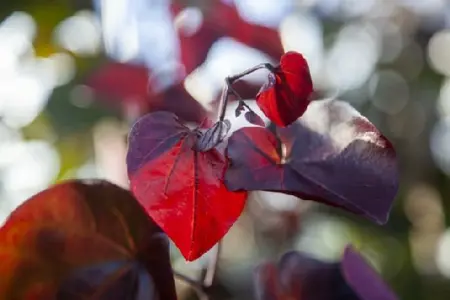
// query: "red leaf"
[[332, 155], [181, 188], [233, 25], [128, 84], [223, 20], [121, 82], [287, 94], [53, 243], [298, 276]]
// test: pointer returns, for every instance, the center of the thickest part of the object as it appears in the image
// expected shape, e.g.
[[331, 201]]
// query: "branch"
[[212, 266], [229, 88], [251, 70], [199, 288]]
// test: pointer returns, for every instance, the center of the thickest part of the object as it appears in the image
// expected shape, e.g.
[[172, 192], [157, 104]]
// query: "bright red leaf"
[[180, 187], [80, 239], [332, 155], [298, 276], [286, 95]]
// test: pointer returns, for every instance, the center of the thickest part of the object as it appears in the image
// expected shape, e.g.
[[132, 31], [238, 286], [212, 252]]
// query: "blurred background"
[[75, 74]]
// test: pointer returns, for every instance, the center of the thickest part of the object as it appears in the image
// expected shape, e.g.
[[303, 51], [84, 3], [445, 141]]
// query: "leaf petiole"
[[267, 66], [229, 87], [198, 287]]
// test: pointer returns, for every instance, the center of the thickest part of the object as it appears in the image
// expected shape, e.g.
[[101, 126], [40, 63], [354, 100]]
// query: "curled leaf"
[[83, 239], [332, 155], [180, 187], [285, 97], [239, 109], [213, 136]]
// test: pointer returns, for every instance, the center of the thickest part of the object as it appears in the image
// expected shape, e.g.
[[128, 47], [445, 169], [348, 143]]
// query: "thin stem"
[[212, 266], [232, 90], [196, 286], [228, 87], [224, 102], [267, 66]]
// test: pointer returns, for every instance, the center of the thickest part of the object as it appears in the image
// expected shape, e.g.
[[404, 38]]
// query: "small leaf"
[[239, 109], [253, 118], [79, 239], [298, 276], [213, 136], [332, 155], [180, 187], [285, 97]]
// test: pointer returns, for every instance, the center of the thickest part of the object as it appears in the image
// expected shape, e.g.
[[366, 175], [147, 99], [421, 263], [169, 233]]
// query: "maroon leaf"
[[84, 240], [223, 20], [331, 155], [121, 82], [126, 84], [180, 187], [285, 96], [298, 276]]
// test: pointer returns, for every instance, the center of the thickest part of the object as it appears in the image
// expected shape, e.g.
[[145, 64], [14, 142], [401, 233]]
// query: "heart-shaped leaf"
[[79, 240], [332, 155], [298, 276], [180, 187], [285, 97]]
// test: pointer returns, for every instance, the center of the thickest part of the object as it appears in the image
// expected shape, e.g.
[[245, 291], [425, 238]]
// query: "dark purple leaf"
[[363, 279], [298, 276], [253, 118], [332, 155], [166, 132], [125, 280]]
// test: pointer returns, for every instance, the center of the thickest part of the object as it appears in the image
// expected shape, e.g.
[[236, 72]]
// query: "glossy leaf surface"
[[80, 240], [332, 155], [298, 276], [181, 188], [286, 95]]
